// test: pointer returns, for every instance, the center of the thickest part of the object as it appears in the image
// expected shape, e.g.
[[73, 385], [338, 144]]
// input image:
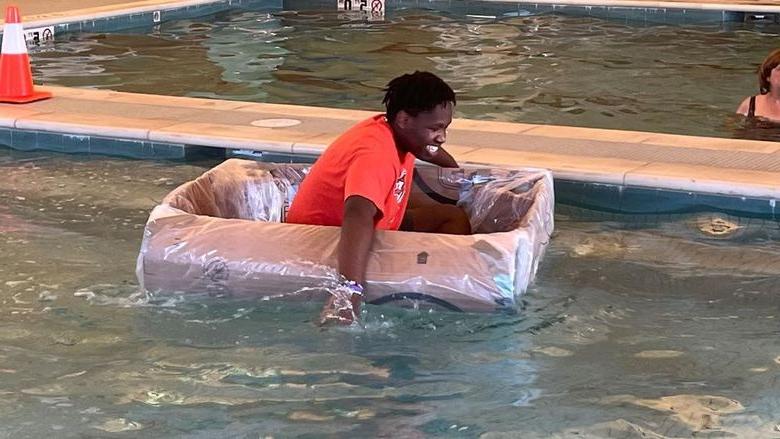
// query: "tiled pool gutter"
[[618, 171]]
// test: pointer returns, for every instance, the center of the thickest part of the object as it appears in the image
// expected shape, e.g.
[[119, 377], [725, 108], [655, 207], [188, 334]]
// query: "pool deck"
[[734, 167]]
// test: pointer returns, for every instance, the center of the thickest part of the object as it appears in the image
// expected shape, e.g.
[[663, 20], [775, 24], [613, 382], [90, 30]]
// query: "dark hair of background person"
[[415, 93], [770, 62]]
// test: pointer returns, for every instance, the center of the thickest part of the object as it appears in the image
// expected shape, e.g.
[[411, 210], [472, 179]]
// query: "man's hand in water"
[[357, 235], [343, 305]]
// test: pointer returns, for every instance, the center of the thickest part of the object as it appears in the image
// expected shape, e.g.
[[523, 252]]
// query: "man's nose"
[[441, 137]]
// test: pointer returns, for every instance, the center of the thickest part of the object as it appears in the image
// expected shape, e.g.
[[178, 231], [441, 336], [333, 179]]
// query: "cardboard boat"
[[223, 234]]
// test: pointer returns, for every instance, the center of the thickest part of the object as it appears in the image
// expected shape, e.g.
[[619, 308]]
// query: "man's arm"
[[357, 235], [440, 157]]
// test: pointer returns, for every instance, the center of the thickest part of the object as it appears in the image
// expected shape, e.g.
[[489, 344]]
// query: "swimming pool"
[[539, 68], [636, 325]]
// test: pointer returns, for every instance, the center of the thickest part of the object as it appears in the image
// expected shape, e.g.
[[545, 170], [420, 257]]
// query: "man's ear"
[[402, 119]]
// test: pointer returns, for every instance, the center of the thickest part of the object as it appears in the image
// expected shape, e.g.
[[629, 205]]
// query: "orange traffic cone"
[[16, 85]]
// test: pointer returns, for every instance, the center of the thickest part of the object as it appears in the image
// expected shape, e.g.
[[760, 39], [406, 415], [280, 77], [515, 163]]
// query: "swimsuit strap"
[[752, 109]]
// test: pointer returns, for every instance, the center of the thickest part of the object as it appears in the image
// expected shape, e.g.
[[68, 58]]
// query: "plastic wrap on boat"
[[223, 234]]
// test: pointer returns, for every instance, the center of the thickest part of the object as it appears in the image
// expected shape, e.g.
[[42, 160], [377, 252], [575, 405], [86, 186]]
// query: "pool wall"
[[669, 14], [34, 140]]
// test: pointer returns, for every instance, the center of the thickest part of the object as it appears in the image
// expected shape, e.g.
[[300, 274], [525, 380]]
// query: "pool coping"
[[152, 126], [96, 13]]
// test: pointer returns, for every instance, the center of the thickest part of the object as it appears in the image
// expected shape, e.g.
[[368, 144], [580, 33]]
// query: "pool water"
[[636, 327], [549, 69]]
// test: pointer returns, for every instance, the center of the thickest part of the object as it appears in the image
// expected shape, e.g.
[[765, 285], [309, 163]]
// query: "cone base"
[[36, 96]]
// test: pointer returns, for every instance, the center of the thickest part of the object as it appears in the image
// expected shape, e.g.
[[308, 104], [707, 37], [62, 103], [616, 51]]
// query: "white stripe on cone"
[[13, 39]]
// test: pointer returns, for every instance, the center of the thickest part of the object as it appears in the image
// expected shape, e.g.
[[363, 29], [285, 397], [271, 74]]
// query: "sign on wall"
[[39, 35], [372, 9]]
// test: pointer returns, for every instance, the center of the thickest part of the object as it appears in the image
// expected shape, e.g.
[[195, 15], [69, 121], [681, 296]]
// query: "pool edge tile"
[[702, 179]]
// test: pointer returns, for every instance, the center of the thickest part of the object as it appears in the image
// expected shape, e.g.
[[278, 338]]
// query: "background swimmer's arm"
[[744, 106], [439, 157]]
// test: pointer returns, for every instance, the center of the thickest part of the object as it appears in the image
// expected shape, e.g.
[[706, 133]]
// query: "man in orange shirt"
[[363, 180]]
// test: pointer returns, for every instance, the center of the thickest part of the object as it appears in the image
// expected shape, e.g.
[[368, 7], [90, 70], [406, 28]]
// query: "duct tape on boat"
[[39, 35]]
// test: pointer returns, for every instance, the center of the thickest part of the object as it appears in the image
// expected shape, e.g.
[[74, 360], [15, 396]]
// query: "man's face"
[[415, 133]]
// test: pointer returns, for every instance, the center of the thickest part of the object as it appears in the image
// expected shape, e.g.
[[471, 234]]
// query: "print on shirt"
[[400, 187]]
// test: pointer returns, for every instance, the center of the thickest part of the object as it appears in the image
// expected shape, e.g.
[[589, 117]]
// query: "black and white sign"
[[39, 35], [371, 9]]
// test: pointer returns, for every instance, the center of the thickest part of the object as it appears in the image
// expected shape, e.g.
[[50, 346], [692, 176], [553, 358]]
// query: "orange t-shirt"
[[363, 161]]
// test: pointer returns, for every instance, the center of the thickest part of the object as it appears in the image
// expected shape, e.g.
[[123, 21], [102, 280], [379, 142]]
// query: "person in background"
[[363, 179], [765, 105]]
